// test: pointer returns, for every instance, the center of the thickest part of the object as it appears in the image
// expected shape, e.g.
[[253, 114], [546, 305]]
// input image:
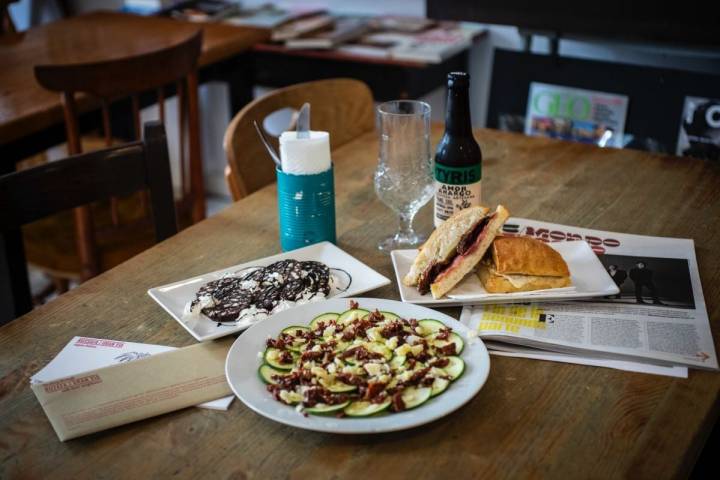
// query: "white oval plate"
[[243, 362]]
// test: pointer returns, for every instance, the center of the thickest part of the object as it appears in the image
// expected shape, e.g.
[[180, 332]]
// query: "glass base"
[[400, 241]]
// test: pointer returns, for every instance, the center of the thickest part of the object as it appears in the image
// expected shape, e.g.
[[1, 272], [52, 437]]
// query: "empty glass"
[[403, 179]]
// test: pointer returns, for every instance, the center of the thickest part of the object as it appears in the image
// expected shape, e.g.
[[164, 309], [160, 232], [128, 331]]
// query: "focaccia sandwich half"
[[454, 249], [522, 264]]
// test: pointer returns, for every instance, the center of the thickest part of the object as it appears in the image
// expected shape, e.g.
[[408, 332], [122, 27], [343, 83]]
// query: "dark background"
[[690, 22]]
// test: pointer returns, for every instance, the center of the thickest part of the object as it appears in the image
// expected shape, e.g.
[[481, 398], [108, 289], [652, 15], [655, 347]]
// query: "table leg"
[[15, 299], [240, 80], [237, 73]]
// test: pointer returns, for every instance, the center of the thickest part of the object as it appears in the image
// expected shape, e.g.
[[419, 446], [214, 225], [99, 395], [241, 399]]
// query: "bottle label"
[[456, 188]]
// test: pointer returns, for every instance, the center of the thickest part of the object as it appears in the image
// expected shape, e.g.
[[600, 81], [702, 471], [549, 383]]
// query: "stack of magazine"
[[657, 324], [392, 37]]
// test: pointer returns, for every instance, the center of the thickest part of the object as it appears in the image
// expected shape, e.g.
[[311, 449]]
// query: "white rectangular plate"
[[173, 297], [587, 274]]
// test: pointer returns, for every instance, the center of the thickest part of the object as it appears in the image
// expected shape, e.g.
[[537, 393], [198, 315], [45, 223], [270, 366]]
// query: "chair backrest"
[[37, 192], [170, 69], [344, 107], [7, 25]]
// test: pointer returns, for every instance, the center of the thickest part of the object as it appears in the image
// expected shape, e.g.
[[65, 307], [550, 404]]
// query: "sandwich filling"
[[468, 243], [519, 280]]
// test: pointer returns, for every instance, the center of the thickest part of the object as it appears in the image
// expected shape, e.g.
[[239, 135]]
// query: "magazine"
[[430, 46], [700, 129], [575, 114], [658, 317], [306, 25], [270, 16], [344, 29]]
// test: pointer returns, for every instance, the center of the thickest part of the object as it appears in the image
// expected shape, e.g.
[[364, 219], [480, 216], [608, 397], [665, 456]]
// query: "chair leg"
[[57, 285], [62, 285]]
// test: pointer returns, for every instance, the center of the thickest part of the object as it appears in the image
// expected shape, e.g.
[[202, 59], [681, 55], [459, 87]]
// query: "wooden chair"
[[344, 107], [98, 237], [35, 193], [7, 26]]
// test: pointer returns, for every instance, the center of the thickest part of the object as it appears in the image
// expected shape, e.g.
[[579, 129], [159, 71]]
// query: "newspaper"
[[517, 351], [575, 114], [659, 316]]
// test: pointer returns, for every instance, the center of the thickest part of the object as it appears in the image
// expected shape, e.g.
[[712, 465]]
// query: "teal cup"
[[306, 208]]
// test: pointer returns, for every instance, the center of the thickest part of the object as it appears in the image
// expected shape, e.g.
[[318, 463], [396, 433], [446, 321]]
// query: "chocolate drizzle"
[[264, 288]]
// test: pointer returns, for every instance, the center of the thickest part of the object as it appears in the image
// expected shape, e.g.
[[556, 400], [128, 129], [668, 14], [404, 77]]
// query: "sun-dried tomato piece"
[[397, 402]]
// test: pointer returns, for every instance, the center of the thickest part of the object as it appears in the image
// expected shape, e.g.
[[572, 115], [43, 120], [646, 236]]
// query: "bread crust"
[[448, 279], [495, 283], [443, 241], [527, 256]]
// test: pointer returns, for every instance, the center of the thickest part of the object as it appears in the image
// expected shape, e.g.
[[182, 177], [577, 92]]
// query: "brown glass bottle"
[[458, 159]]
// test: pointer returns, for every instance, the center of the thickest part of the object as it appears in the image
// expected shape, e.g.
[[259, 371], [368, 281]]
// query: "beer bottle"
[[458, 159]]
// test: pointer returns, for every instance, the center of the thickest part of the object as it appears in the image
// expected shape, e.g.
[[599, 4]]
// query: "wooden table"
[[27, 108], [531, 419]]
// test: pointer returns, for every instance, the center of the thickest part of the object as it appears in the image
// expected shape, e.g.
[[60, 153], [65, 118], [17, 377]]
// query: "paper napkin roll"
[[305, 156]]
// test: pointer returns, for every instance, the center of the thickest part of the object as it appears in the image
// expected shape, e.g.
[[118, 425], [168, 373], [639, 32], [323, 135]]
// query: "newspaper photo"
[[658, 317], [575, 114]]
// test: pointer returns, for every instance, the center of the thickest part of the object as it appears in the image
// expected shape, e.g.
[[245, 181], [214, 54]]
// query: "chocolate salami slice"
[[263, 288]]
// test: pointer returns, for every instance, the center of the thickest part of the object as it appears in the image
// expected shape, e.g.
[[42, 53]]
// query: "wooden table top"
[[25, 107], [532, 418]]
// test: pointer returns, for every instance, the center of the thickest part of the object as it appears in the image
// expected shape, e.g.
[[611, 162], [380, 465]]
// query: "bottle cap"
[[458, 79]]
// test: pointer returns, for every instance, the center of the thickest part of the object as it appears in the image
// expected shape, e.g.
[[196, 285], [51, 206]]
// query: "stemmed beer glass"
[[403, 178]]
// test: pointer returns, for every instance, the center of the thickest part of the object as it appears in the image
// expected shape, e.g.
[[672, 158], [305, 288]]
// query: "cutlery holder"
[[306, 208]]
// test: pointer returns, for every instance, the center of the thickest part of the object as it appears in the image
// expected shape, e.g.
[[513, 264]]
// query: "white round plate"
[[241, 369]]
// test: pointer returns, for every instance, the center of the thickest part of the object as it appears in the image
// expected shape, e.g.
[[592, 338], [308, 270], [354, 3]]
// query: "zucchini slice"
[[337, 387], [298, 342], [272, 358], [430, 327], [414, 397], [375, 348], [452, 338], [459, 344], [293, 329], [455, 368], [322, 408], [439, 386], [341, 346], [266, 373], [364, 409], [390, 316], [353, 314], [397, 361], [381, 349], [323, 317]]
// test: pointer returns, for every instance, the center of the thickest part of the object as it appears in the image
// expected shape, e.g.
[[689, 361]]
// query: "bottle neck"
[[457, 115]]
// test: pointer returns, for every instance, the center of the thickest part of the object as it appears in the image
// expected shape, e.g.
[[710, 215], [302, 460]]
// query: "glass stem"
[[405, 229]]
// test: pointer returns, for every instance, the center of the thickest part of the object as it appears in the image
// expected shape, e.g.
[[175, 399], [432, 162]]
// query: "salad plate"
[[247, 362]]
